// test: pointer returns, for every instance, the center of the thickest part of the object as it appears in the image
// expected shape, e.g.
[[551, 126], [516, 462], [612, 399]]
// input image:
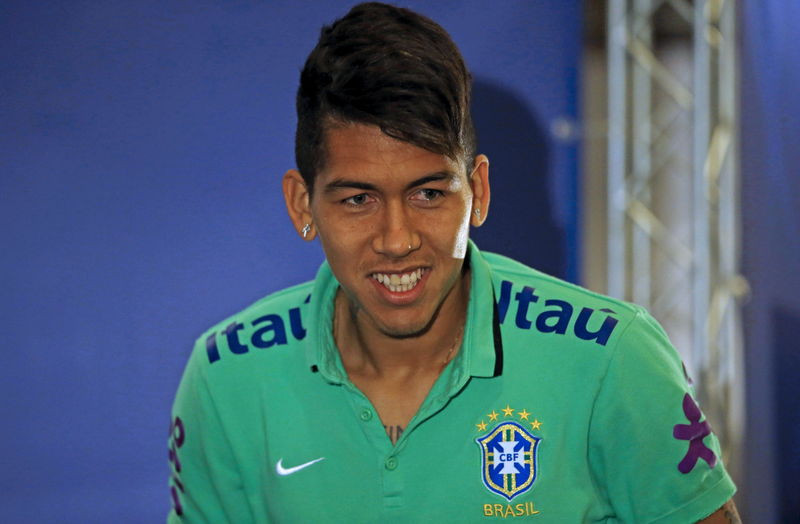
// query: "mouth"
[[399, 282]]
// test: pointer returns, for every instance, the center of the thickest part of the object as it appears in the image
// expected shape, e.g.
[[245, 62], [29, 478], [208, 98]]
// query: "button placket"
[[392, 483]]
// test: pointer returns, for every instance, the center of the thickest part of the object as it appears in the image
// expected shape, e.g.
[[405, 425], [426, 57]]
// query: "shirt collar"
[[480, 354]]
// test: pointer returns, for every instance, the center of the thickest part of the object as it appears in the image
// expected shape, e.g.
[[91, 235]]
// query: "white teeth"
[[399, 283]]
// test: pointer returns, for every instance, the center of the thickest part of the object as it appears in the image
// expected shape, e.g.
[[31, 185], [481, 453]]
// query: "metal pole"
[[617, 111], [700, 240], [641, 172]]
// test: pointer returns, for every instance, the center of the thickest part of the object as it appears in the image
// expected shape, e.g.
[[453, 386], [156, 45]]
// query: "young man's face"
[[393, 220]]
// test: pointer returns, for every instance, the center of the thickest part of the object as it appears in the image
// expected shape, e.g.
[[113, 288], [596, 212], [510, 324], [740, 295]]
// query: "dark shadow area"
[[786, 333], [520, 223]]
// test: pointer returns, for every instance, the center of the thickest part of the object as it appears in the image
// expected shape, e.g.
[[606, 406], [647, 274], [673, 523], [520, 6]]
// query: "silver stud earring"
[[305, 230], [477, 213]]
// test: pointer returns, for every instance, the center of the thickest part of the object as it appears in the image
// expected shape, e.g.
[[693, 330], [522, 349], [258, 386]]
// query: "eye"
[[357, 200], [427, 194]]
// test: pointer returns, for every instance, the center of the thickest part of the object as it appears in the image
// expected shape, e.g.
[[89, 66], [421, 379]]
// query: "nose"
[[396, 236]]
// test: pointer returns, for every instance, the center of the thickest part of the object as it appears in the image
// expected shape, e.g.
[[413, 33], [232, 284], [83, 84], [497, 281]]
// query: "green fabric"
[[594, 383]]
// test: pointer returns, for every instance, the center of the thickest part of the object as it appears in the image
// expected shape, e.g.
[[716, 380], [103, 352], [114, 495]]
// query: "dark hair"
[[389, 67]]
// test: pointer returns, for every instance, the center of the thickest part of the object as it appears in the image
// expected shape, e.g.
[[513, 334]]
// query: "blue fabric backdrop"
[[770, 76], [141, 149]]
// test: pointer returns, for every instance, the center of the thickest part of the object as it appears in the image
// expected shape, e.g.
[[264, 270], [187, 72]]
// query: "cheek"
[[461, 237], [449, 232], [461, 227], [342, 243]]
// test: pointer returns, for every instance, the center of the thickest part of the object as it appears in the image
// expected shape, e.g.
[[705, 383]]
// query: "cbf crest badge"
[[509, 458]]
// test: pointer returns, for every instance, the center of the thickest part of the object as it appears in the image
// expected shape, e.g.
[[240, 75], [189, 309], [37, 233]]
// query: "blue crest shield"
[[510, 461]]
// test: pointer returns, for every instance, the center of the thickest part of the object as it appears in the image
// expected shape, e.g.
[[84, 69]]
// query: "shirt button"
[[391, 463], [366, 415]]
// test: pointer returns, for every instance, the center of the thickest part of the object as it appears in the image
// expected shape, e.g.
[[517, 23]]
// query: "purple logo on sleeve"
[[694, 433], [177, 434]]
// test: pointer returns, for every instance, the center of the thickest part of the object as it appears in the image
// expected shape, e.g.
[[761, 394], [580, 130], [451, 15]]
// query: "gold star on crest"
[[536, 424], [493, 415], [507, 410], [481, 426], [523, 414]]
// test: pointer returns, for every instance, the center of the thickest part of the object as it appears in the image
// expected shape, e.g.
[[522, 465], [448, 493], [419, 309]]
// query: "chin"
[[405, 329]]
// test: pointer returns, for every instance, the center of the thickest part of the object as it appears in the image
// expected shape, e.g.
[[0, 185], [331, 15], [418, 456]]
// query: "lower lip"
[[401, 298]]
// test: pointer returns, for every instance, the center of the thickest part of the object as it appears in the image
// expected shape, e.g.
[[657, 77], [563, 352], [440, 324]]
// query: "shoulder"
[[550, 318], [234, 362], [520, 275], [541, 304], [267, 329]]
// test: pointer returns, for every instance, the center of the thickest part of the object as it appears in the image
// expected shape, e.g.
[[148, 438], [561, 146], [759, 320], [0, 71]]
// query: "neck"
[[367, 351]]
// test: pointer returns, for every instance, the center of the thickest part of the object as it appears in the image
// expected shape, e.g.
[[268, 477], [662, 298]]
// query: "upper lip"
[[409, 269]]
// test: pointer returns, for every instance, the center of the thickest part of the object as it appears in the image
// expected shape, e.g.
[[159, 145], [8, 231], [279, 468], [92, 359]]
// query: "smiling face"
[[394, 220]]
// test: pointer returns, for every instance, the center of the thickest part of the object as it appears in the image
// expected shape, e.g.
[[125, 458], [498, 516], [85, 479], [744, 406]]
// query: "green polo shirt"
[[562, 405]]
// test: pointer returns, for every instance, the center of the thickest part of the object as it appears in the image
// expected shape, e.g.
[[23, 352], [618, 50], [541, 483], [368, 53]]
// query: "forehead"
[[365, 152]]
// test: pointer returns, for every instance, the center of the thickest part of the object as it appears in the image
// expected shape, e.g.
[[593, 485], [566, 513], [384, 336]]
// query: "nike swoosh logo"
[[288, 471]]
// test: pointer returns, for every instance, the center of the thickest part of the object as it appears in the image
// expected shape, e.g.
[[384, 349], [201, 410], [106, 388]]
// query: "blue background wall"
[[770, 134], [141, 149]]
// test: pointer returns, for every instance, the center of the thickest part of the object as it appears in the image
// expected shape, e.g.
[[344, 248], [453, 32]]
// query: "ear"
[[479, 180], [298, 203]]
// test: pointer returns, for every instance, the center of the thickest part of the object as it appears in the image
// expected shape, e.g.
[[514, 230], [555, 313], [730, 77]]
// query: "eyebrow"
[[343, 183]]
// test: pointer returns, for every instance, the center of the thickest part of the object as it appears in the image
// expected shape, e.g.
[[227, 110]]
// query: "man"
[[417, 379]]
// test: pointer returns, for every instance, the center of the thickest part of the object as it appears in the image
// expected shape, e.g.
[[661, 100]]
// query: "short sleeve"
[[205, 484], [651, 451]]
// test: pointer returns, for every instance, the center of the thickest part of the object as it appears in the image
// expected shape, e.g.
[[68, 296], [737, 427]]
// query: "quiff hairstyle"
[[389, 67]]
